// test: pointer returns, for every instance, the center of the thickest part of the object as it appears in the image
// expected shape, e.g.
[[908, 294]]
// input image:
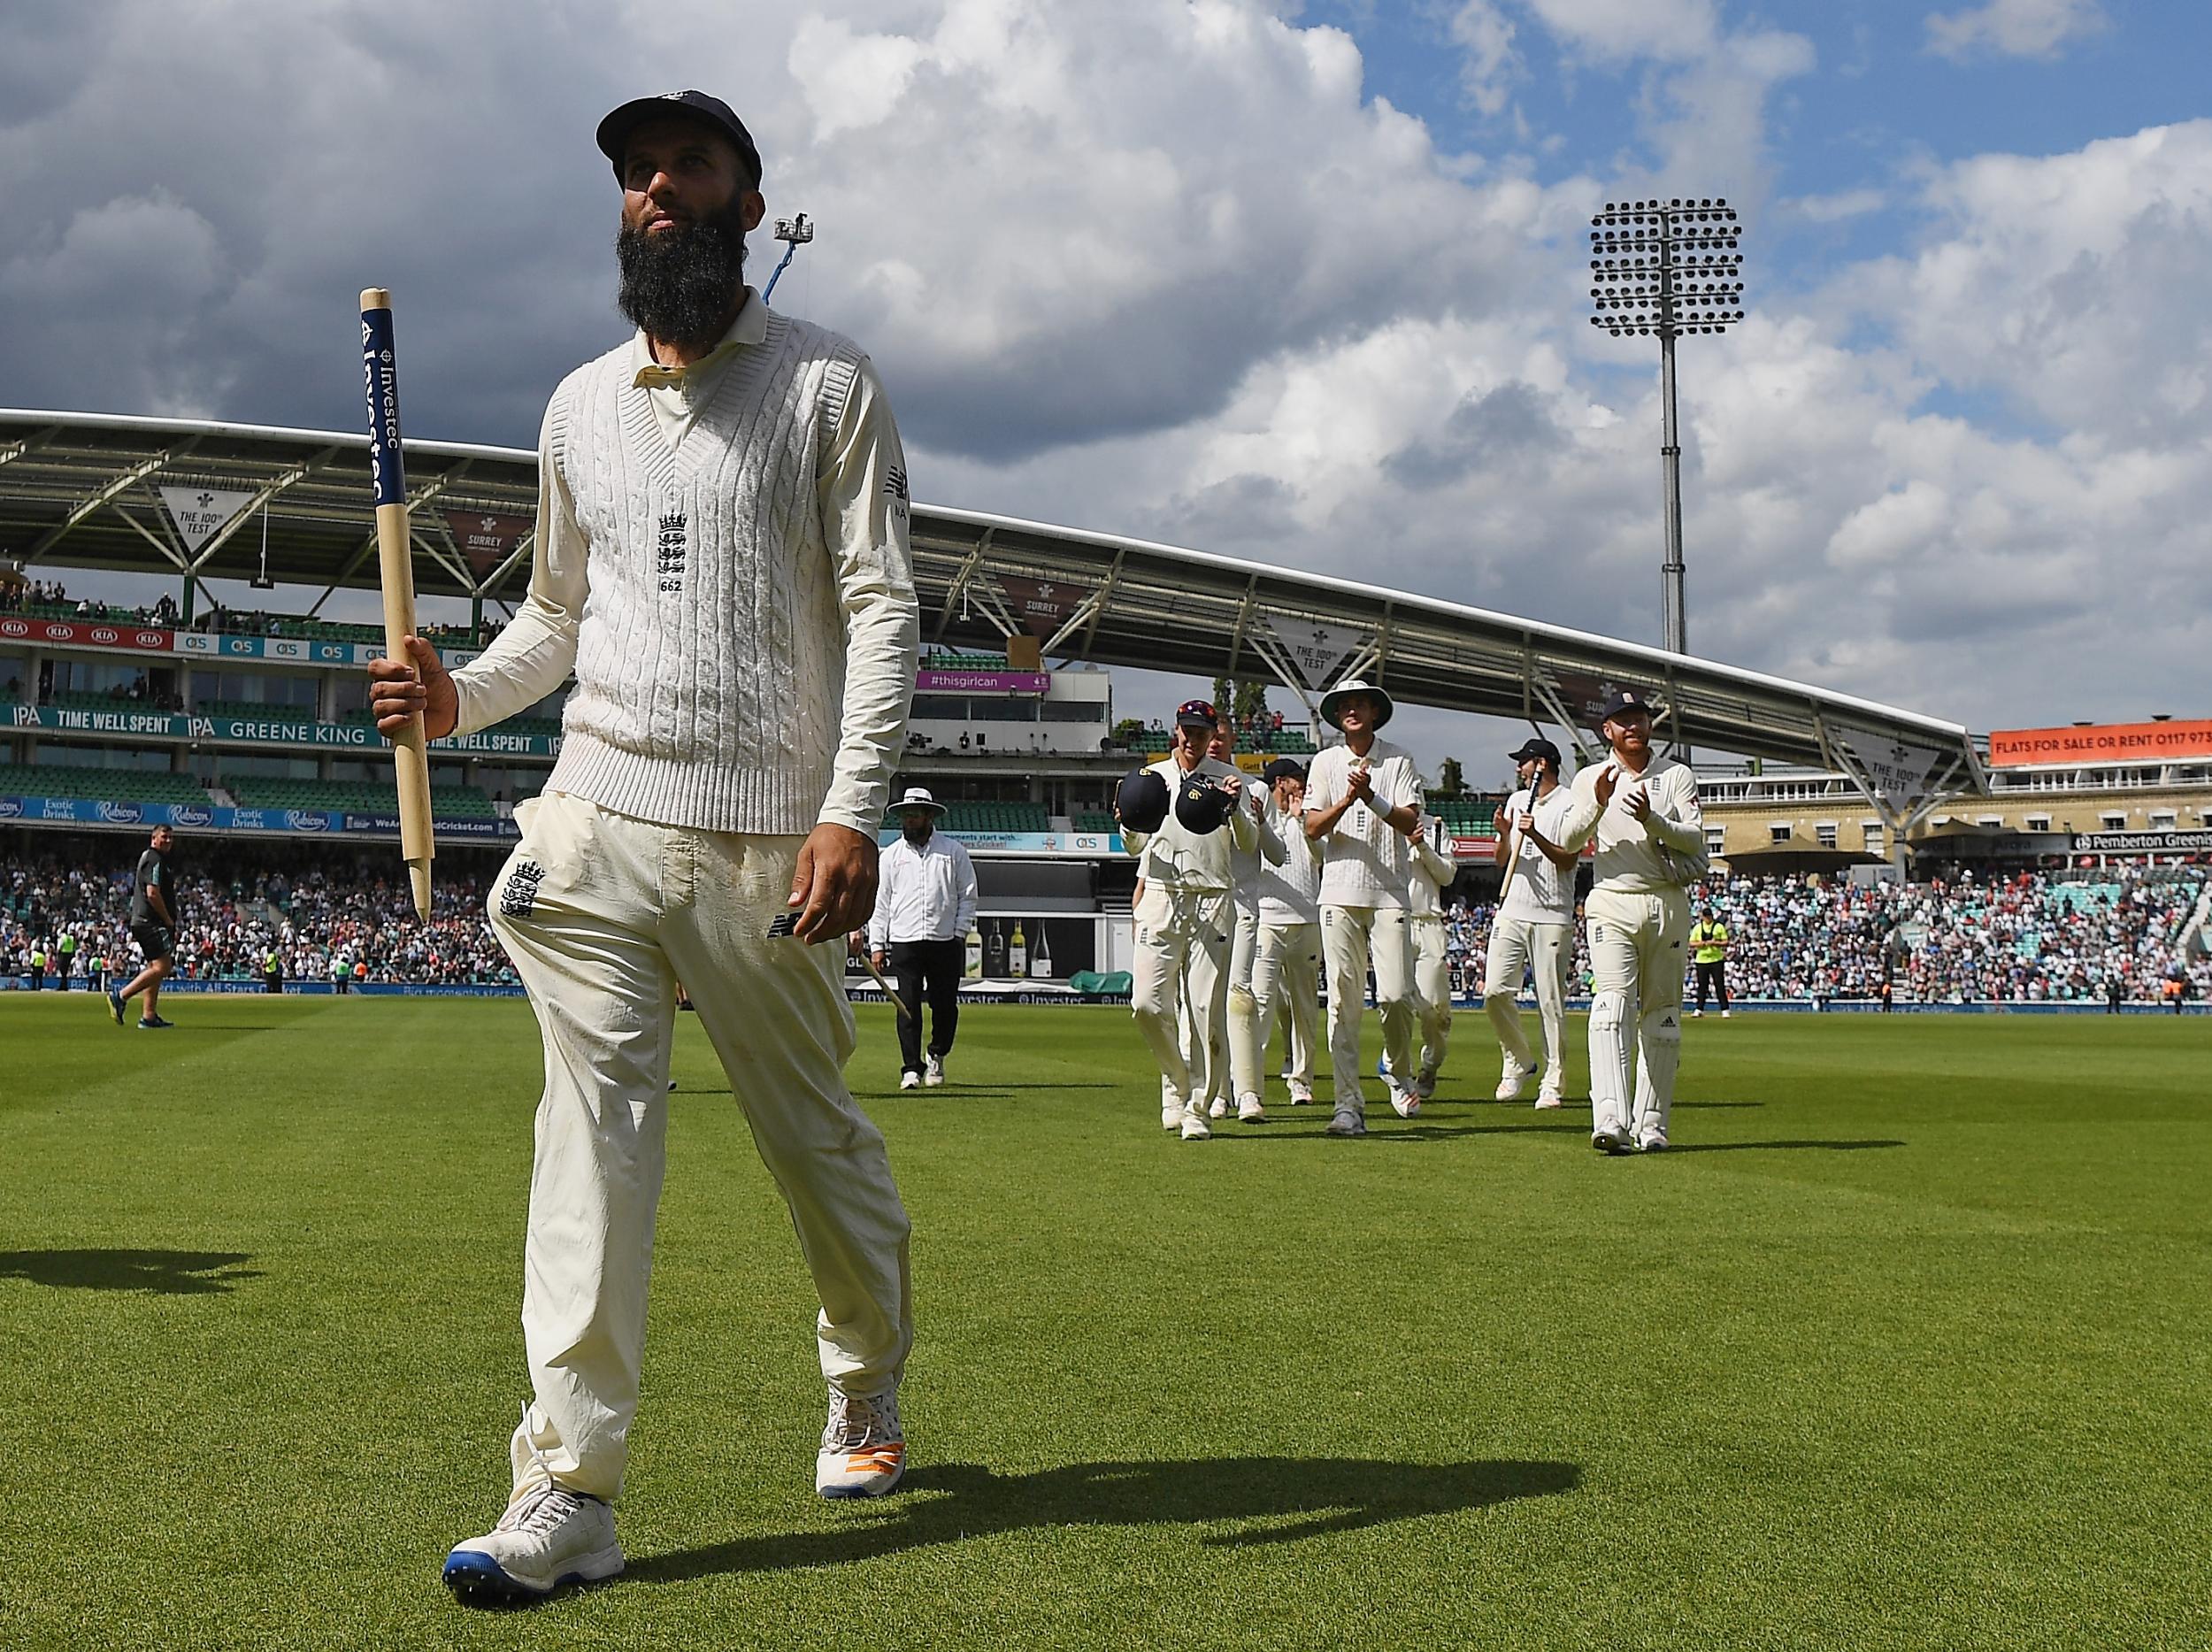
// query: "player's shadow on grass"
[[1295, 1498], [165, 1273]]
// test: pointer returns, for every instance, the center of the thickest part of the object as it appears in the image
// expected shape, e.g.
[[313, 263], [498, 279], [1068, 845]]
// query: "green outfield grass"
[[1905, 1346]]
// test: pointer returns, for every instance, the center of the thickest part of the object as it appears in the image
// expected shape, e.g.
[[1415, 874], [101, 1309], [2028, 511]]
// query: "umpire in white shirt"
[[1362, 799], [925, 906]]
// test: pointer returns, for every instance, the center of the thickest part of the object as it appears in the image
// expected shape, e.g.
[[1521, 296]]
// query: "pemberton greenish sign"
[[136, 723]]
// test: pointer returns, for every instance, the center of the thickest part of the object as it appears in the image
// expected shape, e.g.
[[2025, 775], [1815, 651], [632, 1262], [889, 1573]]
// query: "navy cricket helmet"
[[1201, 805], [1140, 802]]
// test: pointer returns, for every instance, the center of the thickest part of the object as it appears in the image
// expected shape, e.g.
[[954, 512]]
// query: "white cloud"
[[1172, 269], [2012, 28], [2070, 284], [1488, 63], [1834, 209], [1621, 29]]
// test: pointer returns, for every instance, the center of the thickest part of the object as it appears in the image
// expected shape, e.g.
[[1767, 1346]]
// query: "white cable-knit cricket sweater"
[[738, 609]]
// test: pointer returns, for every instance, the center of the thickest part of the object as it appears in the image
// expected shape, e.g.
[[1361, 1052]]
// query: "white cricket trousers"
[[1518, 946], [1352, 937], [603, 914], [1286, 978], [1247, 1042], [1432, 986], [1180, 954], [1636, 964]]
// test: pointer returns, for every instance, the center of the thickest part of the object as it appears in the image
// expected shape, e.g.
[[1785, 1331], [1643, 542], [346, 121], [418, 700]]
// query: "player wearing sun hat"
[[1362, 799], [1184, 917]]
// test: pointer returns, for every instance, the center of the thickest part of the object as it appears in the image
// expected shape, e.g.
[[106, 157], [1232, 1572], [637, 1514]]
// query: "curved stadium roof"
[[78, 489]]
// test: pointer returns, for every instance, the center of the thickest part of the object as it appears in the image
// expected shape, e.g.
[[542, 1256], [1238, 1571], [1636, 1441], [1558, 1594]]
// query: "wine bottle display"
[[994, 950], [972, 968], [1017, 952], [1040, 955]]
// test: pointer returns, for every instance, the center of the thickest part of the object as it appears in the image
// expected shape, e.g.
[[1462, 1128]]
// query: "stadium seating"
[[256, 709], [973, 815], [96, 700], [1287, 743], [966, 661], [61, 780], [1471, 816], [1091, 820]]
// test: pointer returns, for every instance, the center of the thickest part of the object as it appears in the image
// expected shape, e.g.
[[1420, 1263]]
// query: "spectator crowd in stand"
[[2026, 939], [334, 917], [2031, 938]]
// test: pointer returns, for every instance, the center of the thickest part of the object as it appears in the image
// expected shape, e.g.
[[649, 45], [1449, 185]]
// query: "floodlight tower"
[[1667, 267]]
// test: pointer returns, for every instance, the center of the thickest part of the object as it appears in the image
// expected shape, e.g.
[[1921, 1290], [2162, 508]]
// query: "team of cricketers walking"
[[1249, 891]]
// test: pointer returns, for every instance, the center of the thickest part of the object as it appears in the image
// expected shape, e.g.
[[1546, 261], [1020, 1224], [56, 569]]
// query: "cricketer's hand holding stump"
[[718, 786]]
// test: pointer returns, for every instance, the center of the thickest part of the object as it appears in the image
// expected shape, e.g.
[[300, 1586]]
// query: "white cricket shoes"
[[1217, 1107], [1171, 1115], [909, 1080], [1195, 1123], [1301, 1093], [1404, 1100], [1514, 1081], [548, 1536], [933, 1071], [1249, 1111], [1546, 1099], [1652, 1141], [863, 1448], [1606, 1141]]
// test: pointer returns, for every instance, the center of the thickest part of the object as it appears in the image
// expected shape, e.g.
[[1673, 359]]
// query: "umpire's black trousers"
[[1714, 976], [927, 971]]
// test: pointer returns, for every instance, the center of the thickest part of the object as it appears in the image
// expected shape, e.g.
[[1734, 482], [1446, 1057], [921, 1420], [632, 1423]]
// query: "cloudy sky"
[[1300, 282]]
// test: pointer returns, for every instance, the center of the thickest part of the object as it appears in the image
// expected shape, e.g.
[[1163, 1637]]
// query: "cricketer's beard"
[[918, 835], [677, 284]]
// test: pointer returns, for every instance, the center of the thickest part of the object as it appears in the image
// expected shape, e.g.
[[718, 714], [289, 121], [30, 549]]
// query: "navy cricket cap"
[[1201, 805], [1141, 801], [1194, 712], [1533, 750], [1623, 703], [614, 131], [1283, 769]]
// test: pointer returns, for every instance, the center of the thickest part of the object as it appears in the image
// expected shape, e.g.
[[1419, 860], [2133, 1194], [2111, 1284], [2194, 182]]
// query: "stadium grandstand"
[[246, 727]]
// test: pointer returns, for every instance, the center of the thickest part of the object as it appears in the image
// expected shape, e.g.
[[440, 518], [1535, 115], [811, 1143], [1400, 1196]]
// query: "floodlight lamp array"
[[1666, 267]]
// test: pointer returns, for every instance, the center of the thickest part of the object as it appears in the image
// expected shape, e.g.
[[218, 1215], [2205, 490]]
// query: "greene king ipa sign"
[[2102, 743]]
